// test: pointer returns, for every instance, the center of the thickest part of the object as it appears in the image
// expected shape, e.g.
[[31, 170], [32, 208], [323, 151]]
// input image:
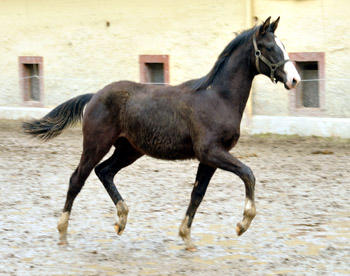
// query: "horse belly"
[[164, 140], [166, 146]]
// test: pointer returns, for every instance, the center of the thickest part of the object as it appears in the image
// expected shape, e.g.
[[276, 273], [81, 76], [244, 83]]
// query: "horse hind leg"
[[92, 154], [76, 183], [124, 155]]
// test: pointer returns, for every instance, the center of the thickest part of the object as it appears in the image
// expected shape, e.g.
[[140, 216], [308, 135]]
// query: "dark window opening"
[[31, 82], [155, 73], [154, 69], [308, 89]]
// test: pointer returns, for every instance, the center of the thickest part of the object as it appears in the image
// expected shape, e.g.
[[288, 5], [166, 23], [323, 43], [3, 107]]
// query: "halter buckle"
[[258, 53]]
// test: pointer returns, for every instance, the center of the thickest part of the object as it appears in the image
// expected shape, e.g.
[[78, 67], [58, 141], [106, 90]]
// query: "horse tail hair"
[[60, 118]]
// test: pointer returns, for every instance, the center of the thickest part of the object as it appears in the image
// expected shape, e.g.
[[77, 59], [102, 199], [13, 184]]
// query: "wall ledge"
[[18, 113], [303, 126]]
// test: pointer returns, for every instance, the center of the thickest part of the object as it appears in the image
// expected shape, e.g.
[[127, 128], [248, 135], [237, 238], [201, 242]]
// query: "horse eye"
[[269, 49]]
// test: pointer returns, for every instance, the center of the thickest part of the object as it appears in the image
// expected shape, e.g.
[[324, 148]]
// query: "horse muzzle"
[[292, 76], [292, 83]]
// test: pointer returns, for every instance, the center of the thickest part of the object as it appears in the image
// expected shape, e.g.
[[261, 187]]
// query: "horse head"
[[271, 58]]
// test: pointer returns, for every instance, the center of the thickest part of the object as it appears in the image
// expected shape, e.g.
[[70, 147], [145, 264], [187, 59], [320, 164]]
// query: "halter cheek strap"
[[273, 66]]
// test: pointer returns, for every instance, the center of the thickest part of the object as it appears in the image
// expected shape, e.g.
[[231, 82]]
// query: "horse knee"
[[247, 176]]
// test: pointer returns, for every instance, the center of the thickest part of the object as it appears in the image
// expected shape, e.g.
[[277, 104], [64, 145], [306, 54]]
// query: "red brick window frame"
[[31, 80], [308, 99], [154, 69]]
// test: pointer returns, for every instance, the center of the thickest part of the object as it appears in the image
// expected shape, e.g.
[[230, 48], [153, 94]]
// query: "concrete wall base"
[[284, 125], [19, 113], [304, 126]]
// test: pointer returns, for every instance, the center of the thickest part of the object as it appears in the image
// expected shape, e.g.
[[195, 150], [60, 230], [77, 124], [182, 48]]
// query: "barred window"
[[31, 80], [154, 69], [308, 98]]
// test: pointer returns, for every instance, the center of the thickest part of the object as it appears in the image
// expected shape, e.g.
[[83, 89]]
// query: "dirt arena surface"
[[302, 226]]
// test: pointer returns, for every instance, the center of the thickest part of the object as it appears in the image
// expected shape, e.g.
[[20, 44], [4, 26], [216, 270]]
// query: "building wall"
[[87, 44]]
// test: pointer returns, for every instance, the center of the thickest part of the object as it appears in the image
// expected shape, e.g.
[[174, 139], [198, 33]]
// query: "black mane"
[[204, 82]]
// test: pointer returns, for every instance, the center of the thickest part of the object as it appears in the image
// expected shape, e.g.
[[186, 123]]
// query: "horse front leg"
[[216, 157], [204, 174], [123, 156]]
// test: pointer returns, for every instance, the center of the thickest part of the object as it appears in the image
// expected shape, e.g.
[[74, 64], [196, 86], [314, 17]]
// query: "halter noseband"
[[273, 66]]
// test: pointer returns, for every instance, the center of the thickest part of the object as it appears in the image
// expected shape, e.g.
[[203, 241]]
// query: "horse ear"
[[265, 26], [274, 25]]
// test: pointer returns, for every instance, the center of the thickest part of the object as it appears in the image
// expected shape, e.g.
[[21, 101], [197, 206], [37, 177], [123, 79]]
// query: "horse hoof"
[[191, 249], [118, 229], [240, 229], [62, 243]]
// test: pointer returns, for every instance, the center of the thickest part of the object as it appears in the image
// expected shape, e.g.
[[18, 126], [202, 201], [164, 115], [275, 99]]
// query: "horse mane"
[[206, 81]]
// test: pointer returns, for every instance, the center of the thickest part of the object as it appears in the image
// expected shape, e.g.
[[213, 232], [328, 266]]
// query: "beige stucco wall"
[[310, 26], [81, 54]]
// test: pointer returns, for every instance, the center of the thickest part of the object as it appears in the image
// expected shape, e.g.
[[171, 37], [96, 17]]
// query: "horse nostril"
[[294, 82]]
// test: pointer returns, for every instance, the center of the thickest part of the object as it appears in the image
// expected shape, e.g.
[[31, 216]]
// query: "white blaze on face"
[[293, 77]]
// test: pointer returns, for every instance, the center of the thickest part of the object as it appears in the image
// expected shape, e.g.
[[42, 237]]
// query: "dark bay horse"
[[197, 119]]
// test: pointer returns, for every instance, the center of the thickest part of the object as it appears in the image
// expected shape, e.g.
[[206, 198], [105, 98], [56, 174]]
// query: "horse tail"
[[61, 117]]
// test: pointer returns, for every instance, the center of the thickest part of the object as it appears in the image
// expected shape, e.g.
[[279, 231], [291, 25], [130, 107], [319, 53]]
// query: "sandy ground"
[[302, 226]]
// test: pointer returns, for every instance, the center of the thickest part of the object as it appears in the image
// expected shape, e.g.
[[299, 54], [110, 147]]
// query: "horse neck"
[[236, 78]]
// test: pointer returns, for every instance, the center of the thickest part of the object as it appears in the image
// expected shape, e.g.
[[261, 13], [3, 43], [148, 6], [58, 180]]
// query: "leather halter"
[[273, 66]]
